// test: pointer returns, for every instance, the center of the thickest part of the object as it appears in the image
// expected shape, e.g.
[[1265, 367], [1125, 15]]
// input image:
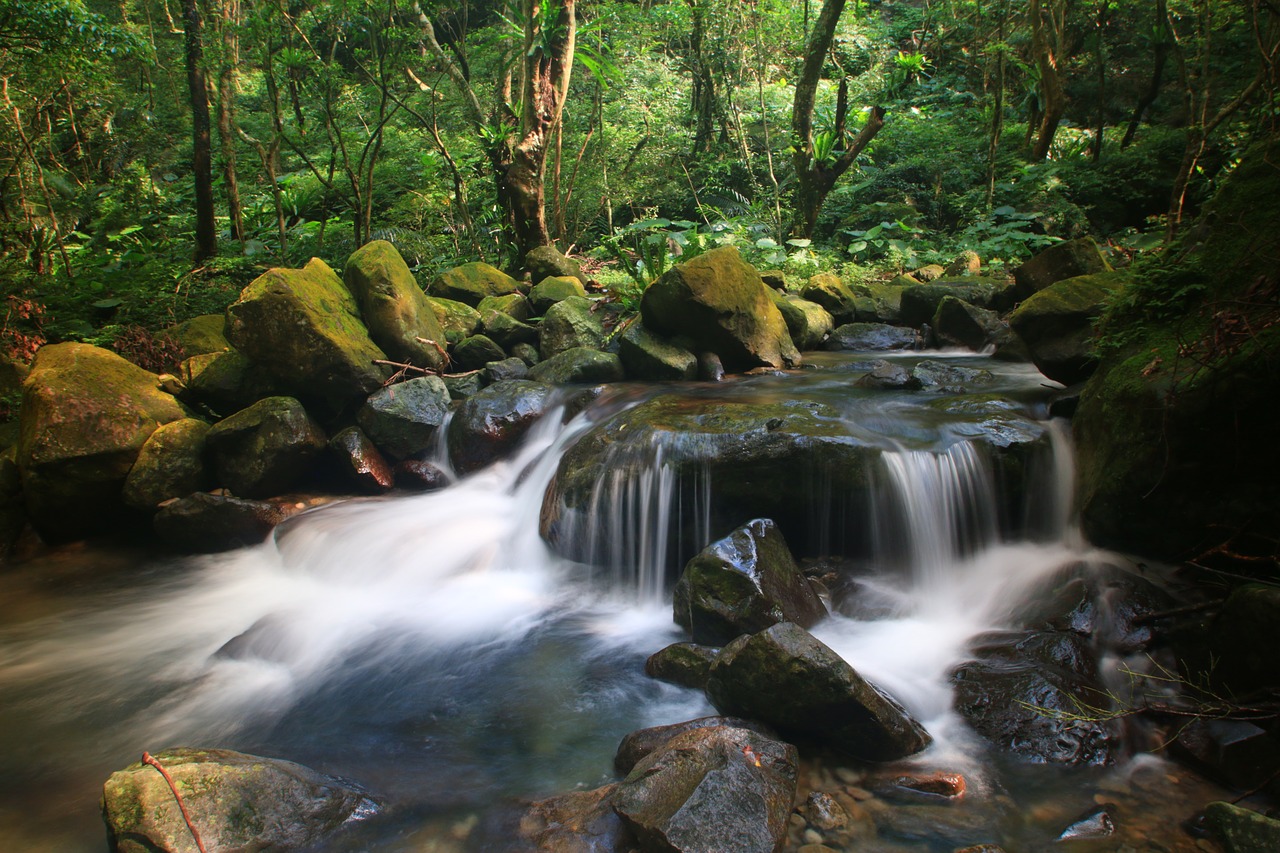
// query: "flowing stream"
[[434, 650]]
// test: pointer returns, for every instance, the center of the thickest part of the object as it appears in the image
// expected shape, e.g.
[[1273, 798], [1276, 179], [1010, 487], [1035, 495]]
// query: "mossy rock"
[[579, 365], [201, 335], [170, 465], [225, 382], [719, 302], [553, 289], [458, 319], [505, 330], [920, 301], [303, 328], [876, 302], [645, 355], [265, 449], [403, 419], [545, 261], [472, 282], [1242, 830], [1056, 324], [826, 289], [1060, 261], [86, 413], [807, 322], [474, 352], [394, 308], [959, 324], [572, 322], [686, 664], [515, 305]]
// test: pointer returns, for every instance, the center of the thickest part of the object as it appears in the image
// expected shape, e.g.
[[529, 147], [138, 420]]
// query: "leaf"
[[874, 231], [800, 242], [857, 246]]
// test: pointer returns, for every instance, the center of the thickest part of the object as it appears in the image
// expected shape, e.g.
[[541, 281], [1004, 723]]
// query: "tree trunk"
[[704, 87], [1159, 59], [1046, 39], [226, 114], [201, 144]]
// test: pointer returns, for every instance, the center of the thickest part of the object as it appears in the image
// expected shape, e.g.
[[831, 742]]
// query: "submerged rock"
[[744, 583], [204, 523], [238, 802], [488, 425], [786, 677]]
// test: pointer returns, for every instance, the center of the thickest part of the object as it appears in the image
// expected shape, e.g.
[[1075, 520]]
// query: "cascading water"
[[434, 649]]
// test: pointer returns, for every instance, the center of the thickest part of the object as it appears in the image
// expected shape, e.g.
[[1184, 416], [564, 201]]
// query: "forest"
[[158, 156]]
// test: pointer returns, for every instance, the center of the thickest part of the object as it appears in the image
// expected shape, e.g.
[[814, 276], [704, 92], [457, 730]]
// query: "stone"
[[1242, 830], [475, 352], [403, 420], [515, 305], [720, 303], [928, 273], [303, 328], [458, 319], [472, 282], [396, 312], [170, 465], [959, 324], [86, 413], [641, 742], [577, 822], [967, 262], [546, 261], [360, 466], [949, 378], [871, 337], [13, 515], [1056, 324], [920, 301], [1243, 637], [527, 353], [200, 335], [243, 802], [787, 678], [572, 322], [876, 302], [578, 365], [266, 449], [1237, 753], [888, 375], [205, 523], [744, 583], [775, 279], [505, 330], [553, 289], [686, 664], [418, 475], [464, 385], [711, 789], [1096, 823], [827, 290], [224, 382], [710, 368], [648, 356], [1060, 261], [488, 425], [807, 322], [505, 370]]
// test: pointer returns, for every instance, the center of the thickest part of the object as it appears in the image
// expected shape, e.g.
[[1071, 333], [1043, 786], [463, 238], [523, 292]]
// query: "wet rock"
[[648, 356], [170, 465], [920, 301], [959, 324], [808, 322], [400, 319], [505, 370], [515, 305], [579, 822], [641, 742], [949, 378], [464, 385], [824, 812], [744, 583], [475, 352], [472, 282], [225, 382], [993, 419], [787, 678], [578, 365], [200, 335], [935, 784], [710, 368], [1060, 261], [711, 789], [966, 263], [527, 353], [505, 330], [571, 323], [265, 449], [488, 425], [828, 291], [244, 802], [303, 328], [85, 415], [403, 419], [871, 337], [458, 319], [1235, 752], [1092, 825], [686, 664], [552, 289], [205, 523], [361, 467], [938, 825], [546, 261], [888, 375], [720, 303], [1242, 830], [417, 475], [1056, 324]]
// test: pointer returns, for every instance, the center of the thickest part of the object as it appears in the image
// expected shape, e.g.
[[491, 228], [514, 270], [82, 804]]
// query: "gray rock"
[[578, 365], [642, 742], [489, 424], [572, 322], [871, 337], [888, 375], [959, 324], [920, 301], [647, 356], [505, 370], [463, 385], [265, 449], [950, 378], [170, 465], [204, 523], [475, 352], [403, 419], [527, 353]]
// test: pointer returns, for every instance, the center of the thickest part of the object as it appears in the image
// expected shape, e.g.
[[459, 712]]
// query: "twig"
[[147, 759], [1176, 611]]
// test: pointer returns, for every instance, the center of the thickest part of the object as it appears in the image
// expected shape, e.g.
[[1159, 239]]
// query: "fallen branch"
[[147, 759]]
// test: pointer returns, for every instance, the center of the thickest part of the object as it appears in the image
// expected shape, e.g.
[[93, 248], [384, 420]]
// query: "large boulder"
[[828, 291], [86, 413], [1056, 324], [505, 330], [403, 419], [744, 583], [458, 319], [920, 301], [642, 742], [787, 678], [578, 365], [871, 337], [553, 289], [472, 282], [238, 802], [303, 327], [711, 789], [515, 305], [224, 382], [686, 664], [720, 302], [879, 302], [170, 465], [200, 335], [489, 425], [1060, 261], [807, 322], [395, 310], [545, 261], [577, 822], [956, 323], [1243, 639], [648, 356], [1242, 830], [474, 352], [205, 523], [265, 449], [571, 322]]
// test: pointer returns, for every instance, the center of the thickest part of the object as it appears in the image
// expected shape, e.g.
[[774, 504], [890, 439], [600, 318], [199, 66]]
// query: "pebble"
[[812, 836]]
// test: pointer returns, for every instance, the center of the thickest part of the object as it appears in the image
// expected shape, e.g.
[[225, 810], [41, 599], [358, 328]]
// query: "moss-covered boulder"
[[744, 583], [86, 413], [1056, 324], [1242, 830], [572, 322], [472, 282], [553, 289], [807, 322], [787, 678], [205, 523], [303, 327], [170, 465], [505, 330], [360, 466], [956, 323], [877, 302], [544, 261], [394, 308], [648, 356], [200, 335], [266, 449], [490, 424], [222, 383], [238, 801], [514, 305], [719, 302], [1243, 638], [920, 301], [826, 289], [686, 664], [967, 262], [578, 365], [1060, 261], [458, 319], [474, 352]]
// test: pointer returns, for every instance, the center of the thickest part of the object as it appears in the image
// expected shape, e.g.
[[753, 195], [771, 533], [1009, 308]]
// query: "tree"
[[1048, 28], [201, 140], [819, 162]]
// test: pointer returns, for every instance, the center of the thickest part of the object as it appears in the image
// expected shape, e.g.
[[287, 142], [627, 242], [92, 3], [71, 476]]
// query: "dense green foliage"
[[345, 121]]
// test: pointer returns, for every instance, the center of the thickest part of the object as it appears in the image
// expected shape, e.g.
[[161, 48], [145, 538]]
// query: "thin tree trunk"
[[997, 109], [226, 115], [1046, 37], [1160, 57], [201, 153]]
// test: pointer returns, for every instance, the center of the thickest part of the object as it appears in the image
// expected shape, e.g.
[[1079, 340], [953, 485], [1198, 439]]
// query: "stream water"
[[434, 650]]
